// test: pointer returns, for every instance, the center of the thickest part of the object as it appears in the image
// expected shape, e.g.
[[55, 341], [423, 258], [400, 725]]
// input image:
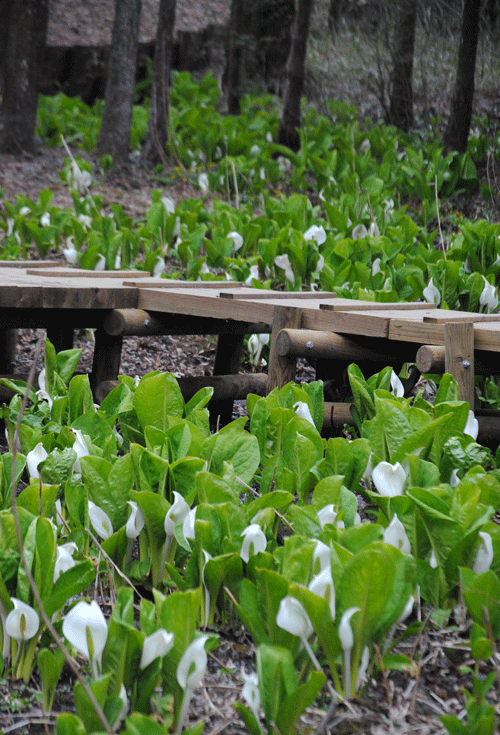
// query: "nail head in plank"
[[459, 357]]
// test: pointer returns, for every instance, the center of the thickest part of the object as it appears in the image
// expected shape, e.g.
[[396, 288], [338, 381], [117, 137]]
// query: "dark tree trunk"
[[114, 136], [401, 100], [25, 29], [288, 133], [157, 135], [457, 131], [235, 50]]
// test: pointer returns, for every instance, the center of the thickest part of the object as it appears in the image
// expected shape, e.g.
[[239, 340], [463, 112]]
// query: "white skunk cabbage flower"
[[22, 622], [302, 409], [190, 672], [64, 560], [42, 393], [70, 252], [396, 385], [101, 263], [250, 692], [283, 262], [322, 585], [472, 426], [254, 541], [175, 514], [376, 267], [136, 520], [315, 232], [34, 458], [431, 294], [79, 179], [237, 240], [359, 232], [169, 205], [100, 521], [86, 630], [433, 562], [484, 554], [489, 297], [156, 645], [253, 275], [321, 558], [80, 447], [347, 642], [203, 183], [396, 536], [389, 479], [328, 514], [293, 618], [256, 342], [158, 267]]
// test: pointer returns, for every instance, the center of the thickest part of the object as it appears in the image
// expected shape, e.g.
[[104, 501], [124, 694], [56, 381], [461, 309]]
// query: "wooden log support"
[[132, 322], [313, 344], [282, 367], [430, 359], [227, 362], [234, 387], [142, 323], [459, 357], [8, 347]]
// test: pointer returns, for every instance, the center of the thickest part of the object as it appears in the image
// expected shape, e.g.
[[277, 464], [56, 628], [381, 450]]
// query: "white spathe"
[[86, 624], [484, 554], [389, 479], [396, 536], [431, 294], [100, 521], [293, 618], [156, 645], [34, 458], [322, 585], [302, 409], [254, 541], [136, 520], [22, 622]]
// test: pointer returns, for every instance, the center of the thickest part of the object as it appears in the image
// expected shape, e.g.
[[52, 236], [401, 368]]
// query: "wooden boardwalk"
[[117, 304]]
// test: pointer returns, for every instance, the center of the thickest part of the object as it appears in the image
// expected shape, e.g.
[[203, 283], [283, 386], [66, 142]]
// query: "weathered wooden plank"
[[487, 337], [356, 305], [459, 357], [168, 283], [80, 273], [442, 315], [18, 264], [255, 294]]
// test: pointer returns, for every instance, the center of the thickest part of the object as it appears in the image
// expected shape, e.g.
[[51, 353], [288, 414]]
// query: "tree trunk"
[[401, 100], [234, 57], [114, 136], [157, 135], [457, 130], [288, 133], [25, 29]]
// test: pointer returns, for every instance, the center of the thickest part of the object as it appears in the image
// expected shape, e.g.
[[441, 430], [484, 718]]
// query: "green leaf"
[[50, 664], [482, 591], [233, 444], [158, 397]]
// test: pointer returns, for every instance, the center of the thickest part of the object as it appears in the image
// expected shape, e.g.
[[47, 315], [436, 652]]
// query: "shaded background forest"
[[406, 63]]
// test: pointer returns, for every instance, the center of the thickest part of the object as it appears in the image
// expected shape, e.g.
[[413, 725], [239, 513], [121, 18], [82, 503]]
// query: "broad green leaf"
[[157, 397], [482, 591], [233, 444]]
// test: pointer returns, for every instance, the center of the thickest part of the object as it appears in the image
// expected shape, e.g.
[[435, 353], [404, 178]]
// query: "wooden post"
[[227, 362], [107, 357], [8, 342], [282, 367], [459, 357]]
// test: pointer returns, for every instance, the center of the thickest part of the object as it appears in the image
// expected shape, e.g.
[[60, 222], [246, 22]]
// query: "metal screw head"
[[465, 364], [309, 344]]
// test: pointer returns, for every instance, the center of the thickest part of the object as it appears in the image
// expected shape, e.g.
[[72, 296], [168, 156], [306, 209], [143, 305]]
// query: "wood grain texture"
[[282, 367], [459, 357]]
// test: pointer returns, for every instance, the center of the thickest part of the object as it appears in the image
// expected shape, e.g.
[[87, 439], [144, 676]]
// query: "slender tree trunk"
[[234, 57], [25, 29], [457, 131], [401, 100], [288, 133], [157, 135], [114, 136]]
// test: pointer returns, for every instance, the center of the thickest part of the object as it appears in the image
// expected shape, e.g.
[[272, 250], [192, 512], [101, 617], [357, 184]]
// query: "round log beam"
[[313, 344], [431, 359]]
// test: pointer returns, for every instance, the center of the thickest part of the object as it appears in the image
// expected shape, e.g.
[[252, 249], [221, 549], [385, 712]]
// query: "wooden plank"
[[487, 337], [282, 367], [407, 329], [81, 273], [460, 316], [171, 283], [30, 264], [356, 305], [277, 295], [459, 357]]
